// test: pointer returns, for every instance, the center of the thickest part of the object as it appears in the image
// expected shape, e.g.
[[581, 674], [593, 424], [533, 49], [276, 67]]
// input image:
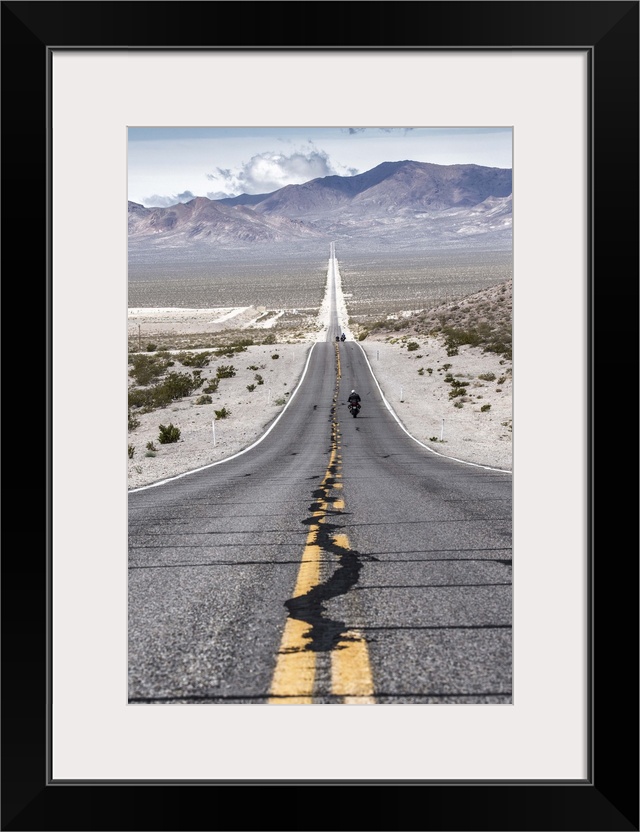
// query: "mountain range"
[[405, 205]]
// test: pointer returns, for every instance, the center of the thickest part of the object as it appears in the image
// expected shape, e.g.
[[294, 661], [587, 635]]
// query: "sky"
[[167, 165]]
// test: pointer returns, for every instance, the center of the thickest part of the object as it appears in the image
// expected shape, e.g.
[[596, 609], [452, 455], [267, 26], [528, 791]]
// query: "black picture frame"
[[608, 798]]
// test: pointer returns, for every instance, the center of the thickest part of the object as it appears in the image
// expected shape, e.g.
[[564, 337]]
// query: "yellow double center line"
[[294, 677]]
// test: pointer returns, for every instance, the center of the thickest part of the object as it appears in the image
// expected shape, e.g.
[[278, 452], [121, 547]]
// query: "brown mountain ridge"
[[406, 203]]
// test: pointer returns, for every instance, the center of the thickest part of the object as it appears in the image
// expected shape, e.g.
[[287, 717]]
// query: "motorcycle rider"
[[354, 398]]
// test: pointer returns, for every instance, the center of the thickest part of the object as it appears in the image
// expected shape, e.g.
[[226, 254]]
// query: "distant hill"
[[483, 319], [409, 205]]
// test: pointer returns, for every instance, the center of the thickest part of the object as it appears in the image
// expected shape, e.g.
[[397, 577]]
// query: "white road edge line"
[[244, 451], [437, 453]]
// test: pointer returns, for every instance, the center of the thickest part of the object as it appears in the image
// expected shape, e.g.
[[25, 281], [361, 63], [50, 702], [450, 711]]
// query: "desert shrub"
[[150, 454], [147, 368], [142, 399], [251, 387], [487, 376], [212, 385], [458, 404], [502, 379], [275, 355], [485, 407], [421, 371], [252, 367], [233, 349], [258, 378], [374, 325], [500, 346], [269, 339], [204, 400], [457, 391], [362, 335], [194, 359], [238, 345], [222, 414], [131, 451], [179, 385], [226, 371], [280, 400], [412, 345], [168, 434], [152, 347], [132, 422], [429, 370], [456, 337], [491, 338]]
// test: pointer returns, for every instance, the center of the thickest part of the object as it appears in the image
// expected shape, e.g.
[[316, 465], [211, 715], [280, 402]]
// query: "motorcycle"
[[354, 408]]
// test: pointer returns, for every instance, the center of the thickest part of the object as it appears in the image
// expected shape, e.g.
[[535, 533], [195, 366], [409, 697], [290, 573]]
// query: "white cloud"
[[267, 172], [219, 195], [158, 201]]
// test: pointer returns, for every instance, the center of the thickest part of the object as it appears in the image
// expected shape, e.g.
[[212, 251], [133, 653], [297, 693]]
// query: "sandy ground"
[[423, 406], [420, 401]]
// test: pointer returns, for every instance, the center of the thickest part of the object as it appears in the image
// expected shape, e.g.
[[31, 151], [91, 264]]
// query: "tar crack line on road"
[[309, 632]]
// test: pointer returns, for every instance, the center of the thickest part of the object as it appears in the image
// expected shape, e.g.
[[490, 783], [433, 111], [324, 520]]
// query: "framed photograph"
[[563, 77]]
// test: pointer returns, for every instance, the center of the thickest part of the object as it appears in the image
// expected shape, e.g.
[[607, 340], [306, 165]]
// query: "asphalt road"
[[335, 562]]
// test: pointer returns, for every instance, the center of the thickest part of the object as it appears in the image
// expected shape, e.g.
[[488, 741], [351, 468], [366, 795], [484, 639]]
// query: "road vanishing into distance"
[[337, 561]]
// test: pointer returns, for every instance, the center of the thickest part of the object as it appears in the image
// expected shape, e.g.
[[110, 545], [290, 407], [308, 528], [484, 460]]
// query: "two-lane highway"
[[337, 561]]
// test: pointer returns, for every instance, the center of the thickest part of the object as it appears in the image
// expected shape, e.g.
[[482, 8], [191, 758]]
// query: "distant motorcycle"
[[354, 408]]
